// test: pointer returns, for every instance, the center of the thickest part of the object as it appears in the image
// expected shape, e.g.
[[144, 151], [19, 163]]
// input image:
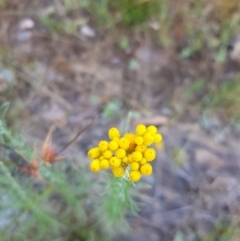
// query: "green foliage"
[[133, 64], [2, 3], [112, 216], [179, 237], [50, 24], [67, 202], [3, 110], [210, 31], [193, 48], [194, 88], [135, 12], [101, 10], [223, 230], [57, 26], [227, 31], [112, 109], [227, 98], [126, 12], [123, 43]]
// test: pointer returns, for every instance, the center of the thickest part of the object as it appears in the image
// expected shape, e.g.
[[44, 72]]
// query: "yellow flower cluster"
[[130, 152]]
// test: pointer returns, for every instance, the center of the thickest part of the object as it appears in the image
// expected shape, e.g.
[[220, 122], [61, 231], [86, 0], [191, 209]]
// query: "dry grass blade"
[[78, 134]]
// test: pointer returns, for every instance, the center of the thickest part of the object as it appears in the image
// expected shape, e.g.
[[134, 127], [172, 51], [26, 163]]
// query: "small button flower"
[[107, 154], [104, 164], [103, 146], [148, 139], [124, 143], [152, 129], [130, 158], [114, 162], [141, 148], [120, 153], [135, 176], [134, 166], [143, 161], [113, 145], [157, 138], [116, 139], [118, 172], [131, 137], [125, 159], [141, 129], [150, 154], [137, 156], [94, 153], [139, 140], [146, 169], [95, 165], [113, 132]]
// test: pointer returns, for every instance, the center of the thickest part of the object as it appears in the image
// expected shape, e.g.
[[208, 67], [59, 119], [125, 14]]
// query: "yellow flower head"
[[130, 158], [113, 132], [141, 148], [148, 139], [103, 145], [107, 154], [143, 161], [113, 145], [128, 152], [94, 153], [114, 162], [119, 171], [150, 154], [146, 169], [116, 139], [157, 138], [120, 153], [135, 176], [152, 129], [124, 143], [139, 140], [137, 156], [125, 159], [141, 129], [131, 137], [134, 166], [95, 165], [104, 164]]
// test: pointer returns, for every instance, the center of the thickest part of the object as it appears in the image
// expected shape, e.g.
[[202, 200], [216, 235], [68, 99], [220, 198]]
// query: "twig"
[[78, 134]]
